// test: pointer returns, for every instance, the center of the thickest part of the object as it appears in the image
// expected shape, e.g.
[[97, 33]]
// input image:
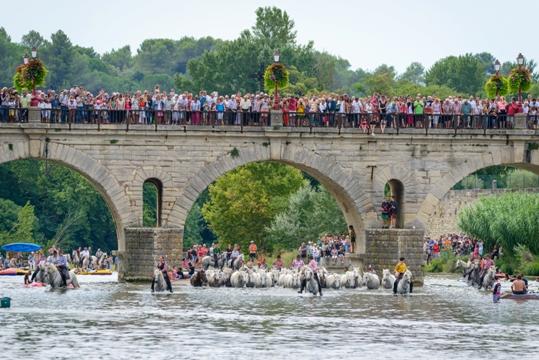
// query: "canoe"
[[13, 272], [96, 272], [528, 296]]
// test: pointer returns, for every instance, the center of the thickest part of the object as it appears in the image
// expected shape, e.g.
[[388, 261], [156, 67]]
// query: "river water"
[[445, 319]]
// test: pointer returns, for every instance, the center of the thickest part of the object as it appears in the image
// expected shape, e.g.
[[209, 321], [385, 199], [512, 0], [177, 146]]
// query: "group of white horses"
[[475, 276], [48, 274], [256, 277]]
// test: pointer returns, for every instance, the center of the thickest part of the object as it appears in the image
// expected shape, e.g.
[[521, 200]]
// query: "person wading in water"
[[164, 269]]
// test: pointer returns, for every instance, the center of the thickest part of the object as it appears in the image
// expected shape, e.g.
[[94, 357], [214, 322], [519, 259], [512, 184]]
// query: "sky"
[[366, 33]]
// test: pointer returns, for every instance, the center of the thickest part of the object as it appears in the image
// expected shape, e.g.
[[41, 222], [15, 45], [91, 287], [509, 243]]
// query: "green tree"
[[274, 28], [509, 220], [25, 227], [414, 73], [33, 39], [310, 213], [59, 59], [120, 59], [8, 219], [381, 80], [244, 201], [465, 73]]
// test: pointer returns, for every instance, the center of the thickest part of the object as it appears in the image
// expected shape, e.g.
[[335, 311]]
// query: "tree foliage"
[[310, 213], [509, 220], [244, 201], [68, 211], [464, 73]]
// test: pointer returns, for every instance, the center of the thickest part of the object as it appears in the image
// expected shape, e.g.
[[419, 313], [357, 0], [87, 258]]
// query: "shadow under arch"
[[342, 184], [96, 174]]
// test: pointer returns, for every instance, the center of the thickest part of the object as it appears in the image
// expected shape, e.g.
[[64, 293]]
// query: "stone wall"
[[386, 246], [444, 218], [144, 246]]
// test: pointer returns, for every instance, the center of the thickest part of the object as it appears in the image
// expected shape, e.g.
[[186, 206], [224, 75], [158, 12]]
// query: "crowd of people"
[[78, 105], [81, 258], [458, 245]]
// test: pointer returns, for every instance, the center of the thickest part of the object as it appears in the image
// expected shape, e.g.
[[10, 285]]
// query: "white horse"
[[388, 279], [489, 279], [351, 279], [371, 280], [333, 281], [403, 287], [213, 278], [159, 284], [85, 263], [237, 279], [54, 278], [311, 284]]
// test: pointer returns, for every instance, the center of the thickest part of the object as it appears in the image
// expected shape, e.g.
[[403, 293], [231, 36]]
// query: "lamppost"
[[520, 62], [276, 104], [35, 100], [497, 67]]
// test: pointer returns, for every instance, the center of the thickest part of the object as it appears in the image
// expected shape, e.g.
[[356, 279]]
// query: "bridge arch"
[[343, 184], [468, 167], [114, 195]]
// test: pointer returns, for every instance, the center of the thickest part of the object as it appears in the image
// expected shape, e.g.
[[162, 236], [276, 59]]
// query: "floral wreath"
[[496, 85], [275, 75], [28, 76], [520, 77]]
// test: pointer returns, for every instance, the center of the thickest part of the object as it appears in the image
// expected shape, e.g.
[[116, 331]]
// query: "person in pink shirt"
[[501, 106], [313, 265]]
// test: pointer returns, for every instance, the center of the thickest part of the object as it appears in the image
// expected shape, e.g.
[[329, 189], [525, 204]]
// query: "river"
[[445, 319]]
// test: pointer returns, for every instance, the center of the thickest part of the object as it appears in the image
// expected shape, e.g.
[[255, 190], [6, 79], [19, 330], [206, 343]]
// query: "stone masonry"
[[386, 246], [353, 166]]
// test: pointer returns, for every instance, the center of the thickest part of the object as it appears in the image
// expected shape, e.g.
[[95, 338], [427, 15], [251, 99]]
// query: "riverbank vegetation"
[[509, 220]]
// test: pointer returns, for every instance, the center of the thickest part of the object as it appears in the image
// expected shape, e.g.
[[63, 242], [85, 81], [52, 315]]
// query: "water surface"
[[445, 319]]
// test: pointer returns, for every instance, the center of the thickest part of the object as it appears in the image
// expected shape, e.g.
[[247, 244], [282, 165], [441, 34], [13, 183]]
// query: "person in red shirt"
[[513, 108]]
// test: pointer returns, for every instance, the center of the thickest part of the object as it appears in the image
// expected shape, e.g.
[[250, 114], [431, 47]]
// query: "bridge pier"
[[144, 246], [384, 247]]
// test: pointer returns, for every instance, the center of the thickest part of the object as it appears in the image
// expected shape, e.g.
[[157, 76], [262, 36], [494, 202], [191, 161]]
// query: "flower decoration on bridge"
[[29, 76], [276, 75], [520, 78], [496, 85]]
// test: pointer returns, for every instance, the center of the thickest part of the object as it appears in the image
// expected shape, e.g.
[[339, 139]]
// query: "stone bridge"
[[420, 166]]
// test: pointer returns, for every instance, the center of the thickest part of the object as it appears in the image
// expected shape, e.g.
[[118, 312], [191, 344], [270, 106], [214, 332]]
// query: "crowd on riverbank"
[[457, 245], [79, 258], [77, 105]]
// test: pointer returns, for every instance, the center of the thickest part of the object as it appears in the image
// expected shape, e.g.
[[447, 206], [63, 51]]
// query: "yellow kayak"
[[96, 272]]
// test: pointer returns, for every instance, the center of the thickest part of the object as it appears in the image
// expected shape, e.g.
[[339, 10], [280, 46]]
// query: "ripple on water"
[[107, 320]]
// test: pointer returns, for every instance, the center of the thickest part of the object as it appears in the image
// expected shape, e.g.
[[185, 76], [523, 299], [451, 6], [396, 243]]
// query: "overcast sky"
[[367, 33]]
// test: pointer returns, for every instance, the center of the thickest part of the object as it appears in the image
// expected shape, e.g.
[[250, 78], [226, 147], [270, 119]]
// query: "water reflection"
[[126, 321]]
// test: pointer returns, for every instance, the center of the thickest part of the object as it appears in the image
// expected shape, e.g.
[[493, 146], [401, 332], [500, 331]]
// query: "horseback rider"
[[400, 269], [162, 266], [216, 252], [314, 267], [59, 260]]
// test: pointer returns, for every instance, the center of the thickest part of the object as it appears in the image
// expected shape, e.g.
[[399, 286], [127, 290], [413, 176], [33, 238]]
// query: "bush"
[[508, 220], [530, 268], [445, 263]]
